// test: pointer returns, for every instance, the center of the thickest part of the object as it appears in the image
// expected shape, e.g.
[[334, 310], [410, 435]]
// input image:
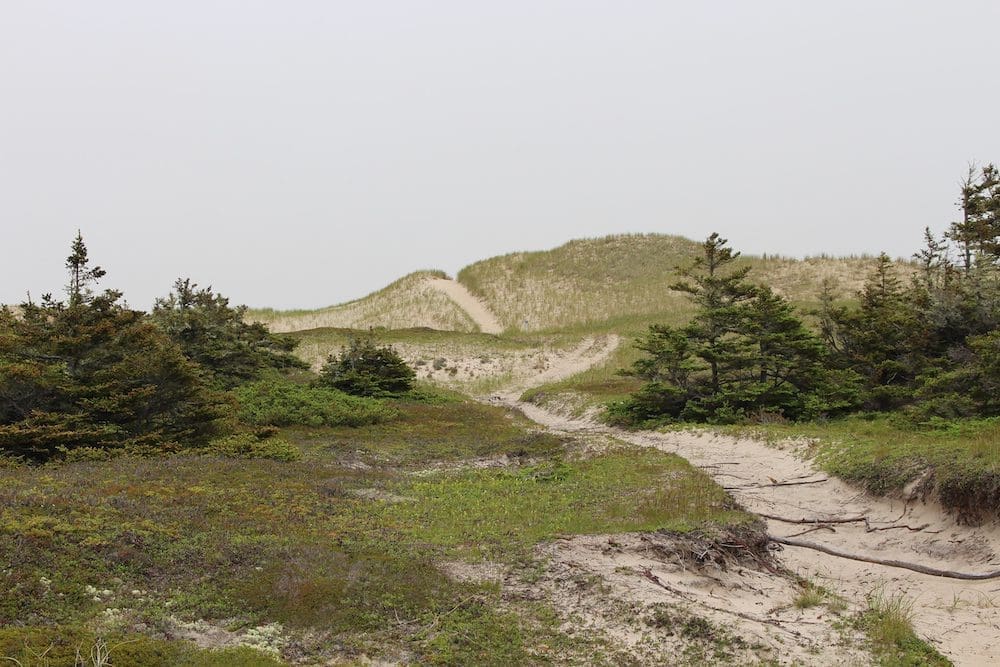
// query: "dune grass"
[[888, 622], [588, 282], [408, 302]]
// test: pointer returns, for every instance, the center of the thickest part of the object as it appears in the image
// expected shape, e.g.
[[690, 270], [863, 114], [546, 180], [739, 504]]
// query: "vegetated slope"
[[593, 281], [619, 283], [411, 301]]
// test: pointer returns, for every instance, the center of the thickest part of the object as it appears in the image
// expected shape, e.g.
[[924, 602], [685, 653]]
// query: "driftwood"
[[814, 520], [915, 567], [768, 486], [821, 526]]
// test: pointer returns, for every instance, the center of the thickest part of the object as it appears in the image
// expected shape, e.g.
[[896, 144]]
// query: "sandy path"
[[467, 301], [962, 619]]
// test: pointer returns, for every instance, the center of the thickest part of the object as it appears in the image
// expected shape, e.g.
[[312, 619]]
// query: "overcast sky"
[[298, 154]]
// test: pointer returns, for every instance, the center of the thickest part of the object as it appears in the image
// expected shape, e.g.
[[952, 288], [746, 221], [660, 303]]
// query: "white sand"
[[467, 301]]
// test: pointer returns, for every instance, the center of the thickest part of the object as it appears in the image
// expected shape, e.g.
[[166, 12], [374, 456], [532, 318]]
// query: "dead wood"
[[813, 520], [915, 567]]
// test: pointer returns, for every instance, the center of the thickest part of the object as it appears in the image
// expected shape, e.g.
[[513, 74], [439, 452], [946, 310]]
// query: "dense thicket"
[[929, 345], [215, 336], [91, 372]]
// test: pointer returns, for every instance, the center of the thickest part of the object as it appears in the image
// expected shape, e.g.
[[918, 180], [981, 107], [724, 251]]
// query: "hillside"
[[593, 281], [614, 282], [411, 301]]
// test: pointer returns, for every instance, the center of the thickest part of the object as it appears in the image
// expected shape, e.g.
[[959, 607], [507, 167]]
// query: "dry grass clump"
[[408, 302]]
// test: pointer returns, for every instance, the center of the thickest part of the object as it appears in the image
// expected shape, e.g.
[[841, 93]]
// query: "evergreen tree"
[[80, 275], [364, 368], [743, 354], [216, 336], [877, 339], [93, 373]]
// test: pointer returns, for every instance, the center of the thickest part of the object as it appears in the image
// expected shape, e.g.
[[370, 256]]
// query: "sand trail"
[[471, 304], [961, 618]]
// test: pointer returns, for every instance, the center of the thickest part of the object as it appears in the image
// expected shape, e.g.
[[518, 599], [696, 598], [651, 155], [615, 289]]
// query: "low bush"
[[279, 402], [249, 446]]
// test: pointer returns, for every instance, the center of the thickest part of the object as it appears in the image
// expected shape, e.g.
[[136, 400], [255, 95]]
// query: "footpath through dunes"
[[960, 618], [474, 307]]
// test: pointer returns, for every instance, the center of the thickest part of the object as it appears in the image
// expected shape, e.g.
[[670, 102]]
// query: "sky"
[[299, 154]]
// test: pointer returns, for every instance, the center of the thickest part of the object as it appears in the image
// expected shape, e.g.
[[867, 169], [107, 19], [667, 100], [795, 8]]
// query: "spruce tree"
[[93, 373], [217, 337], [744, 354]]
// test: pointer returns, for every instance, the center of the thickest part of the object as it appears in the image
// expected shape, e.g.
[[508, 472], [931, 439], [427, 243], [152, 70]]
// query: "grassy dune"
[[408, 302], [591, 283], [616, 282]]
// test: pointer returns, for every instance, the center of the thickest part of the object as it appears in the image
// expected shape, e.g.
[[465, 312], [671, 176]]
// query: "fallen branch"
[[765, 486], [915, 567], [814, 528], [869, 529], [775, 517]]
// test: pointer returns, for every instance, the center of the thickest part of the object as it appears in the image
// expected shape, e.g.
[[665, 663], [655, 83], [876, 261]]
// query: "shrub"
[[249, 446], [367, 369], [278, 402]]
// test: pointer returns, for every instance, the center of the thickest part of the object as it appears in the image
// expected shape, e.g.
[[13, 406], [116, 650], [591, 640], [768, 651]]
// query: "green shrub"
[[249, 446], [278, 402], [364, 368]]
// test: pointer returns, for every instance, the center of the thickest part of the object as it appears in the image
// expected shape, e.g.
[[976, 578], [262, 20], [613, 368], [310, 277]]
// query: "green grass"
[[884, 454], [279, 402], [340, 548], [493, 512], [427, 432], [57, 646], [888, 623]]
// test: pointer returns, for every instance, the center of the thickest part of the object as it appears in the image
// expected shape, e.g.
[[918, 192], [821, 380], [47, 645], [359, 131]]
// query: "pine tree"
[[217, 337], [744, 353], [80, 276], [364, 368], [94, 373]]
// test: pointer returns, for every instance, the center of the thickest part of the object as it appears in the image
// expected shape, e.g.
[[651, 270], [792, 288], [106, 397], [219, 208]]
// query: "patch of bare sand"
[[503, 374], [470, 303]]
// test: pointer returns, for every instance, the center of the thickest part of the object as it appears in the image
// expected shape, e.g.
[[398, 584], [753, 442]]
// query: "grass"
[[888, 623], [333, 555], [960, 461], [581, 286], [588, 282], [494, 512], [408, 302]]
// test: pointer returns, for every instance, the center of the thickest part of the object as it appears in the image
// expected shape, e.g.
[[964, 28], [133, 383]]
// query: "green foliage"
[[432, 431], [888, 623], [492, 512], [325, 546], [744, 354], [364, 368], [93, 373], [277, 401], [215, 336], [249, 446], [877, 340]]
